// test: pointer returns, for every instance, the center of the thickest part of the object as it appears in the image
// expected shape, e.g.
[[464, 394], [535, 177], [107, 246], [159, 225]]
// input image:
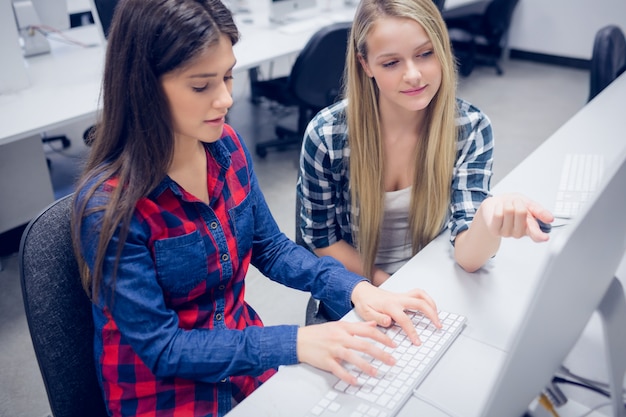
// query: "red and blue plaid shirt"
[[174, 335]]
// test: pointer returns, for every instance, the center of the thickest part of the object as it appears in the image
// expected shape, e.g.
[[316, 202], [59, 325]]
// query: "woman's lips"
[[413, 91], [215, 121]]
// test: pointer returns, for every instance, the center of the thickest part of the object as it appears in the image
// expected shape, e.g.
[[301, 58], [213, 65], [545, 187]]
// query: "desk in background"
[[64, 90], [493, 299]]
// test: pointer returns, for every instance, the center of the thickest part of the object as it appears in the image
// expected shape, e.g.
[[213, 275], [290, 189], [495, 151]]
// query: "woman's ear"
[[366, 67]]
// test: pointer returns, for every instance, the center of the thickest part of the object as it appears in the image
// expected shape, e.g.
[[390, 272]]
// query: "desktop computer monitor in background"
[[13, 75], [53, 13], [281, 10], [42, 15], [581, 265], [102, 11]]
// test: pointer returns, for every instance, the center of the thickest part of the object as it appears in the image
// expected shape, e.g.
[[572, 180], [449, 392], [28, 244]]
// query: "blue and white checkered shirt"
[[323, 187]]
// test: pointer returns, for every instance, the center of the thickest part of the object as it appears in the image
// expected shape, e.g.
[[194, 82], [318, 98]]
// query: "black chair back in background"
[[314, 82], [59, 315], [478, 31], [608, 58]]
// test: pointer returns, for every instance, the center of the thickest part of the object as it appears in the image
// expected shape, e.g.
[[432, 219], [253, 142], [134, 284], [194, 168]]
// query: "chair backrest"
[[316, 77], [608, 59], [440, 4], [497, 19], [59, 315]]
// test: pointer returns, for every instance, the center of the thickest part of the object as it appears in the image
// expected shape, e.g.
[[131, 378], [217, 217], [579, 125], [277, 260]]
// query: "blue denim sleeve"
[[282, 260], [135, 301]]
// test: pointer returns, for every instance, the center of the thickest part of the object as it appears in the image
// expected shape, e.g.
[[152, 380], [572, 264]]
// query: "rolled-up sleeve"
[[473, 168]]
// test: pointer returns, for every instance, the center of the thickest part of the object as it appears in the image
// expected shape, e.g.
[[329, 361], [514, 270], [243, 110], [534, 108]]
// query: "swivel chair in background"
[[440, 4], [479, 31], [608, 58], [314, 82], [59, 315]]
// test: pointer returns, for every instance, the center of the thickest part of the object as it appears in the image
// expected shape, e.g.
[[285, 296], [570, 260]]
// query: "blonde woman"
[[401, 158]]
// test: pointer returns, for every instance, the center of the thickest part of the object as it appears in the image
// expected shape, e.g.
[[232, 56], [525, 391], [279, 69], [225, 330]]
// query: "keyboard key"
[[581, 175], [385, 394]]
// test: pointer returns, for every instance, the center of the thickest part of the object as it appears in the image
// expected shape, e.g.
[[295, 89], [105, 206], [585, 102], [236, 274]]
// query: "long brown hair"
[[134, 139], [434, 160]]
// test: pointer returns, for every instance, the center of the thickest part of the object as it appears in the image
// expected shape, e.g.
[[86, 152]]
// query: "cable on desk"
[[561, 380], [555, 395], [547, 404], [55, 34], [596, 408], [601, 391], [586, 381]]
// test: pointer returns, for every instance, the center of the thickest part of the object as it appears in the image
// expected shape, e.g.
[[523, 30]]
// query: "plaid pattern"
[[325, 193], [181, 278]]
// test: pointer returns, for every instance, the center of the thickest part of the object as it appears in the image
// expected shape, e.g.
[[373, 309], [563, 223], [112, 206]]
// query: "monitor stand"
[[612, 311], [35, 42], [13, 76], [237, 7]]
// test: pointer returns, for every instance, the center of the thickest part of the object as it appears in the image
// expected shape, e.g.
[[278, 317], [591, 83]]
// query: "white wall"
[[563, 27]]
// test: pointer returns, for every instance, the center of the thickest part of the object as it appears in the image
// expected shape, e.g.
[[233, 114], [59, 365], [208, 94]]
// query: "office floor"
[[526, 105]]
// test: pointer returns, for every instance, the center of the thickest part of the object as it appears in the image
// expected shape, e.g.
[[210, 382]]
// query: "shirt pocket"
[[181, 262], [242, 216]]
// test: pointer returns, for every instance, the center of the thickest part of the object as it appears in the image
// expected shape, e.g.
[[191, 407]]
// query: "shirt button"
[[224, 257], [221, 287], [213, 225], [218, 316]]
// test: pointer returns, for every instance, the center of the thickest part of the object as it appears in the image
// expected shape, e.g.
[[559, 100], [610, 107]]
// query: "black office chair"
[[58, 313], [608, 59], [440, 4], [478, 32], [313, 83]]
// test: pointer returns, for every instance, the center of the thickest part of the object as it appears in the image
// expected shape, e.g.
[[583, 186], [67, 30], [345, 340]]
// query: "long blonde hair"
[[434, 160]]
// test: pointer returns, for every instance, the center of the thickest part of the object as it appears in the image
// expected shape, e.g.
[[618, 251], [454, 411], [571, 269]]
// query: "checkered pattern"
[[325, 194], [174, 335]]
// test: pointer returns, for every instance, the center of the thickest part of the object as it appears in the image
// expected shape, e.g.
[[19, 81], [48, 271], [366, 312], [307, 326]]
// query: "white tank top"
[[394, 249]]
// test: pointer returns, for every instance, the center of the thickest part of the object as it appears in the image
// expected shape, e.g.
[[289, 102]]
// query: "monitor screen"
[[53, 13], [280, 10], [102, 11], [582, 261]]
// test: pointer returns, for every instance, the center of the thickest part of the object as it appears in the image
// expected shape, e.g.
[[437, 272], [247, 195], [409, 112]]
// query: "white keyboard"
[[385, 394], [580, 177]]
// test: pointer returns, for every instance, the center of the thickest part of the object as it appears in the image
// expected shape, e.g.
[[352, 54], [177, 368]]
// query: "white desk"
[[493, 299], [65, 89]]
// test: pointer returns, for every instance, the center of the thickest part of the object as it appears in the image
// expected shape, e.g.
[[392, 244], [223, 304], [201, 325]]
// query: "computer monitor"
[[578, 272], [282, 10], [50, 14], [53, 13], [13, 75], [102, 11]]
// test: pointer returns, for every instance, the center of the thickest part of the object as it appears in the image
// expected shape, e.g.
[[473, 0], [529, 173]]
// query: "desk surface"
[[65, 84], [493, 299]]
